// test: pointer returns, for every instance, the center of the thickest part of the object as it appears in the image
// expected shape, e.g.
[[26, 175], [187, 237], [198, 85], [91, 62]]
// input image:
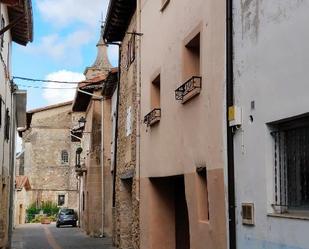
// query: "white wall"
[[271, 68], [5, 73]]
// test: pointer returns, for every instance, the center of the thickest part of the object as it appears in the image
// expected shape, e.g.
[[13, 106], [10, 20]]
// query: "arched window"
[[64, 156]]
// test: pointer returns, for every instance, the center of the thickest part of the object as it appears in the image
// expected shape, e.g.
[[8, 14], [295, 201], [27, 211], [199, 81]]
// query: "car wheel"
[[57, 225], [74, 224]]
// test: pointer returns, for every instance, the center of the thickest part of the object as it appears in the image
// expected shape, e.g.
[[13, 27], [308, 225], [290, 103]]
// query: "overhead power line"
[[48, 81], [43, 87]]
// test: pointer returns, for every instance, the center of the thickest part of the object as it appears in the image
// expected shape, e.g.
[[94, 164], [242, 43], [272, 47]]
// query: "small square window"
[[64, 157], [61, 200]]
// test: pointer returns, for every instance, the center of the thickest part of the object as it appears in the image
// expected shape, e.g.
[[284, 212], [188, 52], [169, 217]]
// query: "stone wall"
[[44, 141], [126, 211]]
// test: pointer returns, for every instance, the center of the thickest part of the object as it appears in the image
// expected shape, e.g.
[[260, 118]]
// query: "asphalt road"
[[37, 236]]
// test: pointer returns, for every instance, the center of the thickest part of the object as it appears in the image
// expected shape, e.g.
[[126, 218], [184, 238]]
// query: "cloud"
[[65, 12], [66, 50], [53, 96]]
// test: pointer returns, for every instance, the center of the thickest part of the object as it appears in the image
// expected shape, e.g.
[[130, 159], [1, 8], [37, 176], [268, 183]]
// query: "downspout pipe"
[[230, 138], [12, 164]]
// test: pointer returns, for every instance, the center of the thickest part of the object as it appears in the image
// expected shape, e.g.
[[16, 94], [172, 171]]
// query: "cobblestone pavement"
[[37, 236]]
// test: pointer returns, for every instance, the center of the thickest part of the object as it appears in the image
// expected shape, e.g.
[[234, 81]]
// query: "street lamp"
[[81, 122], [79, 150]]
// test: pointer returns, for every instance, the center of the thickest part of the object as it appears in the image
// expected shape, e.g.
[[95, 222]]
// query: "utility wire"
[[49, 81], [43, 87]]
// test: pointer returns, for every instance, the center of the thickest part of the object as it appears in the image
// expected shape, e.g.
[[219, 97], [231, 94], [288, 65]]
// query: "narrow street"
[[37, 236]]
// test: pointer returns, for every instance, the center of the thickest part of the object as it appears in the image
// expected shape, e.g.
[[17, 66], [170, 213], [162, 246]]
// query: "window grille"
[[64, 156], [131, 51], [291, 168]]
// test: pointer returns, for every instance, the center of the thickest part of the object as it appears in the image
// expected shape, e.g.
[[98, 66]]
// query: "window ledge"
[[164, 5], [290, 216]]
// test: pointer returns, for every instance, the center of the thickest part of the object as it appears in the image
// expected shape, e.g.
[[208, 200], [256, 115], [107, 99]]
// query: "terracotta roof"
[[93, 81], [81, 100], [118, 17], [22, 182]]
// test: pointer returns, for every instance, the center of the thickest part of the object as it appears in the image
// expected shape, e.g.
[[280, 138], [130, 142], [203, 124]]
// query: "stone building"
[[272, 137], [22, 186], [49, 156], [12, 103], [93, 102], [120, 27]]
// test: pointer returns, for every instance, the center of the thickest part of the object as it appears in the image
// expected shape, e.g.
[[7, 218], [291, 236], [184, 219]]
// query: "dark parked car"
[[66, 216]]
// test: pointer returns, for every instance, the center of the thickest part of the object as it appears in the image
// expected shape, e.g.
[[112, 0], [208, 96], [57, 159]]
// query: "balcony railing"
[[153, 117], [189, 89]]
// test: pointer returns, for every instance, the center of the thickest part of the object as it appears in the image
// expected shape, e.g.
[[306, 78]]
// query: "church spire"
[[101, 65]]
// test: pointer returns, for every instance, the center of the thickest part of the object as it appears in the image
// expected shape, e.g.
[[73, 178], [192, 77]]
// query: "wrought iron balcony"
[[153, 117], [189, 89]]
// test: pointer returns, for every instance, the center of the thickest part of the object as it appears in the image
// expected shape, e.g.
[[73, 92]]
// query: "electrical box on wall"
[[235, 115]]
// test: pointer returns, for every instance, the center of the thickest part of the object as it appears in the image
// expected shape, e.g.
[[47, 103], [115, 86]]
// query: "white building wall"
[[271, 42], [5, 74]]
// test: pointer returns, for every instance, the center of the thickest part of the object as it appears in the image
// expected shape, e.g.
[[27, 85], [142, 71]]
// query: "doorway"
[[170, 213]]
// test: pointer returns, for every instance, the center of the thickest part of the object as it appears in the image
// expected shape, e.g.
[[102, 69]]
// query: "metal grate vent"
[[247, 210]]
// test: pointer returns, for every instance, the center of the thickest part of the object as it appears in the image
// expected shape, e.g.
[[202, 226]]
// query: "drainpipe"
[[12, 163], [102, 165], [230, 139]]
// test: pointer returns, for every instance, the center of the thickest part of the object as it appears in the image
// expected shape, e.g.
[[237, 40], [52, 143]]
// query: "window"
[[61, 199], [154, 115], [202, 194], [131, 50], [7, 125], [191, 63], [64, 157], [291, 165], [155, 93], [2, 24]]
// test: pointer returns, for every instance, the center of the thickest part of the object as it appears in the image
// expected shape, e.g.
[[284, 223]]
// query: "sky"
[[65, 36]]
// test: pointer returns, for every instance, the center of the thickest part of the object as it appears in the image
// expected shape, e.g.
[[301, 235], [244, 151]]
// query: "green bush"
[[49, 209], [31, 211]]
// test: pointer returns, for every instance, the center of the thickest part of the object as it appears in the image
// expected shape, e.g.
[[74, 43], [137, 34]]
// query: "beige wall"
[[21, 200], [188, 135], [92, 180]]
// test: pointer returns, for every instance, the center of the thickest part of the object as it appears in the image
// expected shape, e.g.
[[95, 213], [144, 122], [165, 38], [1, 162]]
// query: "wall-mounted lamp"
[[79, 150], [81, 122]]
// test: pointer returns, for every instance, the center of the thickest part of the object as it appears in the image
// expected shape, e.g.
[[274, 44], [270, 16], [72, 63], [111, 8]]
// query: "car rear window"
[[67, 211]]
